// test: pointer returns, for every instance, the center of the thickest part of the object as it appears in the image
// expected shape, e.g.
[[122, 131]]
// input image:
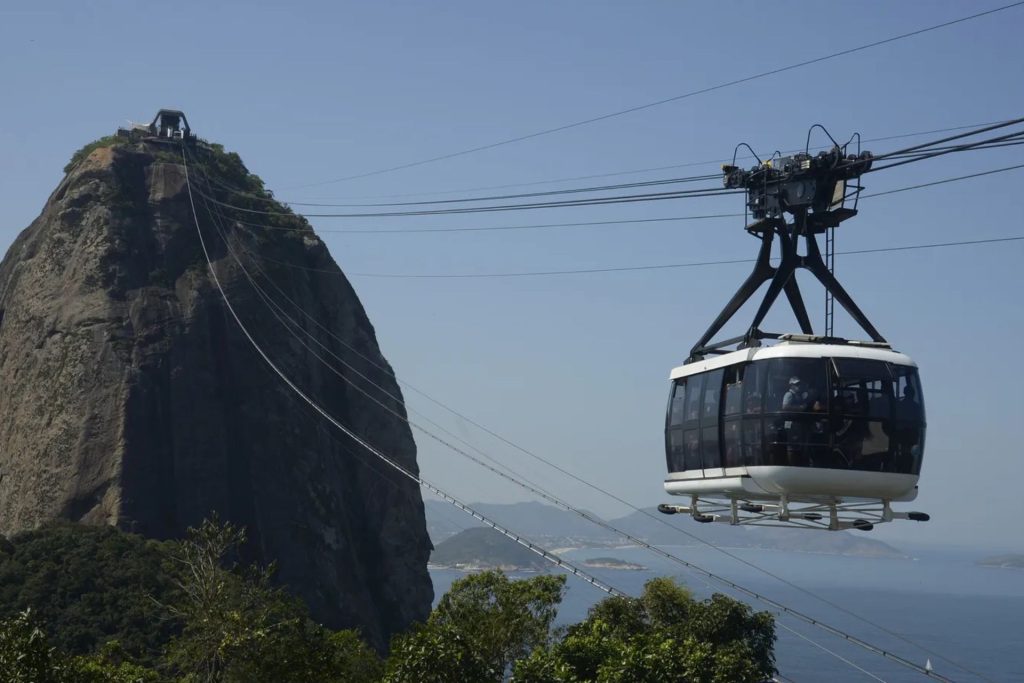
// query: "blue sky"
[[575, 367]]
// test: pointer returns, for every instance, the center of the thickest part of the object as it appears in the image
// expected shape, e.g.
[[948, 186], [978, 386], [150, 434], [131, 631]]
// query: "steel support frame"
[[782, 278], [833, 515]]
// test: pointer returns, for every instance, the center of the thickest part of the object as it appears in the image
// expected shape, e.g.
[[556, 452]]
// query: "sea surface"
[[967, 619]]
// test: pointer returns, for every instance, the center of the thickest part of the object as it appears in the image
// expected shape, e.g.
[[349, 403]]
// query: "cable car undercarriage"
[[832, 516]]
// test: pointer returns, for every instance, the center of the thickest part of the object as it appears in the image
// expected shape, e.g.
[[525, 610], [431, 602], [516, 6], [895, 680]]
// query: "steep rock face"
[[129, 395]]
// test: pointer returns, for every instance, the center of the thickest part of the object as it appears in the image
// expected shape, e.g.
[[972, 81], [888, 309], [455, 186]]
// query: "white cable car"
[[813, 431]]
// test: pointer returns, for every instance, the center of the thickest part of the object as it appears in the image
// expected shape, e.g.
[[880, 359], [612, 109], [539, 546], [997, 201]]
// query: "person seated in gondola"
[[799, 433], [906, 430]]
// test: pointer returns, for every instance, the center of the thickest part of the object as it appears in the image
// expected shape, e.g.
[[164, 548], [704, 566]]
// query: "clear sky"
[[575, 367]]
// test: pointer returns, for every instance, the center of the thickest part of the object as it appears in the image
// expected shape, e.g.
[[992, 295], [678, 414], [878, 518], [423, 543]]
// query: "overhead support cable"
[[293, 324], [932, 150], [464, 200], [853, 639], [239, 192], [273, 305], [489, 228], [675, 98], [1010, 139], [923, 147], [665, 266], [532, 547], [596, 201]]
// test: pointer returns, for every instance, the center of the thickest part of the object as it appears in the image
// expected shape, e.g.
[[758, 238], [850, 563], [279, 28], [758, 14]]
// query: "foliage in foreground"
[[89, 585], [664, 636], [230, 624]]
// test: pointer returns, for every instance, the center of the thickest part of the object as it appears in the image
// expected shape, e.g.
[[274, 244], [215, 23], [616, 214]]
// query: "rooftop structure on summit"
[[168, 125]]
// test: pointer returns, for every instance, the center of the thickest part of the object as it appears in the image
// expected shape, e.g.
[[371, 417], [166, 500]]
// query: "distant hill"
[[1003, 561], [554, 528], [536, 520], [484, 548]]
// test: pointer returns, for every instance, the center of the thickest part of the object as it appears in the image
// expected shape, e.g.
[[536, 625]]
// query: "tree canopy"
[[92, 604]]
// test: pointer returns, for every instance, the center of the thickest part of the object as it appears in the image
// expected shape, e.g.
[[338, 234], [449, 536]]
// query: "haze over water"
[[939, 599]]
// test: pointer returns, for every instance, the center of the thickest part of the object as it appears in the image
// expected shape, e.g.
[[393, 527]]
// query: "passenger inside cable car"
[[836, 413]]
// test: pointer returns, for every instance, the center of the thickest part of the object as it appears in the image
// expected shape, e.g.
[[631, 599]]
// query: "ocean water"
[[940, 600]]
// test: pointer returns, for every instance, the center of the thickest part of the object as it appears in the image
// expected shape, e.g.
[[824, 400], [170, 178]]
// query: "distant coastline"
[[1003, 562], [612, 563]]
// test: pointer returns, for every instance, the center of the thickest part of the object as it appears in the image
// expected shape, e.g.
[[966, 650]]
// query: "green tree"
[[110, 665], [26, 655], [87, 585], [239, 627], [664, 636], [478, 629]]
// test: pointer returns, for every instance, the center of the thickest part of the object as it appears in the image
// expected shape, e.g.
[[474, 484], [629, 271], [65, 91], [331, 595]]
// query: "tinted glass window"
[[731, 446], [712, 395], [709, 447], [753, 388], [862, 388], [691, 449], [694, 385], [795, 384], [753, 451], [677, 406], [734, 389], [909, 401], [675, 451]]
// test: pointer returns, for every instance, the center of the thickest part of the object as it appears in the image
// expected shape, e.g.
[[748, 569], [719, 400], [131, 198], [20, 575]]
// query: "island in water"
[[1003, 561], [612, 563], [479, 548]]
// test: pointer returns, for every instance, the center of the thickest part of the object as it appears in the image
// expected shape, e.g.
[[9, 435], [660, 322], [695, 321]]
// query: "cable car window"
[[862, 388], [907, 430], [709, 440], [909, 399], [795, 385], [753, 448], [734, 376], [732, 445], [691, 450], [694, 385], [753, 388], [710, 454], [712, 395], [677, 407], [675, 451]]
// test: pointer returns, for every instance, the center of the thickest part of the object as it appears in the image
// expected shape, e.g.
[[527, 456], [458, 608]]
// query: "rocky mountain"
[[129, 396]]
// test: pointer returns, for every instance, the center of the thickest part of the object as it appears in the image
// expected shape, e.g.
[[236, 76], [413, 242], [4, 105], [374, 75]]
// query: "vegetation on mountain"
[[83, 152], [193, 614], [89, 585]]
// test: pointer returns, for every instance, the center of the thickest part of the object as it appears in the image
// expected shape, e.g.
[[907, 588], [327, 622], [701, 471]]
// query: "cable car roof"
[[795, 349]]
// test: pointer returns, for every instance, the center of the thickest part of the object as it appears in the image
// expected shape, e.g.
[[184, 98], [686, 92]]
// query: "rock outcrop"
[[129, 395]]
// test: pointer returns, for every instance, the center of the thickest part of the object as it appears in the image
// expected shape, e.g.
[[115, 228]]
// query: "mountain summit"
[[130, 397]]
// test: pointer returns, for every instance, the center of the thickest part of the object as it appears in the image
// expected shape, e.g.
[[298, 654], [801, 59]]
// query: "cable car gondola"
[[808, 431]]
